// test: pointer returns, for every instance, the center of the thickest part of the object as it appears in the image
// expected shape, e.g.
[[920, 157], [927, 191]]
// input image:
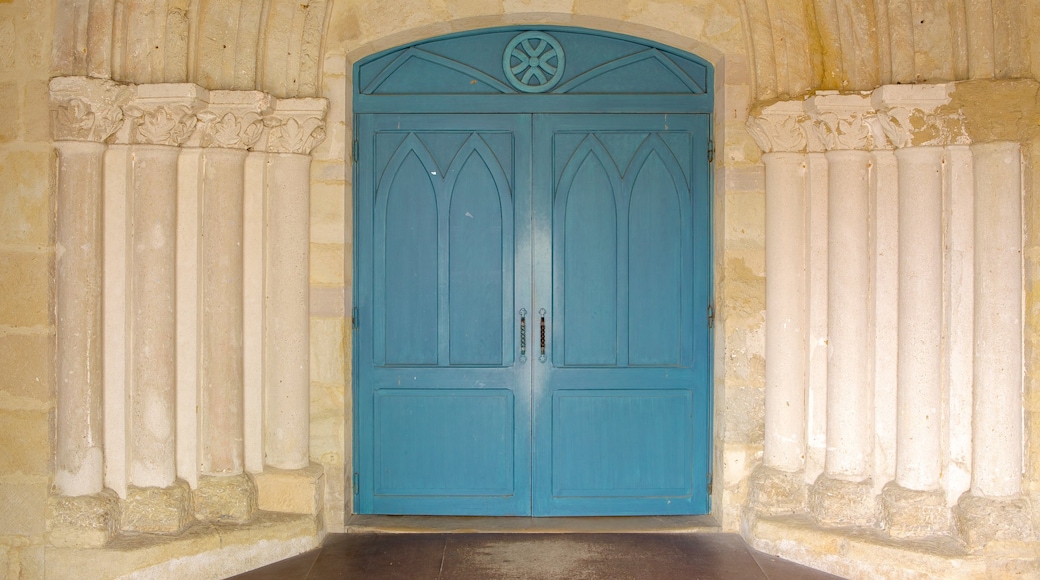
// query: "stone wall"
[[307, 47], [26, 286]]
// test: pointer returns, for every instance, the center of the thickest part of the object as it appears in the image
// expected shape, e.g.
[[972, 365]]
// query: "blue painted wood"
[[443, 410], [648, 187], [472, 63], [600, 221]]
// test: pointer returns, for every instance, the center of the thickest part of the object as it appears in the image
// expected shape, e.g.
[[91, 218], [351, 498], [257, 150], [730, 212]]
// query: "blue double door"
[[532, 301]]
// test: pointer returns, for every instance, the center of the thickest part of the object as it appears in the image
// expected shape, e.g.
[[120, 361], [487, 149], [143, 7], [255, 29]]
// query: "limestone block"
[[25, 287], [327, 265], [25, 211], [327, 207], [745, 415], [296, 491], [327, 354], [225, 498], [980, 520], [835, 502], [36, 113], [26, 361], [9, 121], [22, 506], [25, 441], [909, 513], [8, 43], [775, 492], [157, 510], [84, 521]]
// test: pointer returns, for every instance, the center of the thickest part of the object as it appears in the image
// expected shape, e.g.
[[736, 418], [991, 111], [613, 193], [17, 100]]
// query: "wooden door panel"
[[621, 238], [443, 407]]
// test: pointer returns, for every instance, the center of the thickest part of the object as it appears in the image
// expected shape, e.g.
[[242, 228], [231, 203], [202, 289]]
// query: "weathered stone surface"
[[298, 491], [980, 520], [156, 510], [22, 508], [908, 513], [25, 287], [24, 435], [24, 198], [26, 362], [775, 492], [225, 498], [835, 502], [85, 521], [9, 123], [327, 263]]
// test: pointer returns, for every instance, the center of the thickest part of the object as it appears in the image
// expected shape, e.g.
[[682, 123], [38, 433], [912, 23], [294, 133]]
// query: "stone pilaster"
[[914, 504], [778, 485], [843, 494], [231, 123], [162, 118], [295, 127], [84, 114], [994, 508]]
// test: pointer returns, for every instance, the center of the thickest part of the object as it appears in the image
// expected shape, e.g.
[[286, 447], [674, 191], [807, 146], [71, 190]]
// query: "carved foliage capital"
[[87, 109], [230, 130], [909, 126], [294, 134], [163, 123], [857, 131], [778, 132]]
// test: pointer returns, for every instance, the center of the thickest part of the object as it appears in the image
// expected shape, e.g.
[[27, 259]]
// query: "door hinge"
[[711, 316], [357, 480], [711, 480], [354, 318], [711, 150], [354, 154]]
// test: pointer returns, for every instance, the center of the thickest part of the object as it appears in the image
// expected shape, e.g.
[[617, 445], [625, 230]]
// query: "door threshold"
[[359, 524]]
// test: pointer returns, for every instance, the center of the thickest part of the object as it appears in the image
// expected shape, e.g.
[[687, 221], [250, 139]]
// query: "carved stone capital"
[[296, 125], [233, 119], [846, 121], [87, 109], [164, 114], [781, 126], [908, 115]]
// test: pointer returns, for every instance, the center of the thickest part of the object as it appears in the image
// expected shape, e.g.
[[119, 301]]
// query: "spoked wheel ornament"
[[533, 62]]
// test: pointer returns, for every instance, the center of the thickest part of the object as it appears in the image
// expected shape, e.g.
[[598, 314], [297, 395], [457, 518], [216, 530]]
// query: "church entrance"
[[533, 277]]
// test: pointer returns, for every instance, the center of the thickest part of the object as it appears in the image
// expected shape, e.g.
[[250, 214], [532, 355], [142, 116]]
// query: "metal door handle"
[[523, 335], [541, 356]]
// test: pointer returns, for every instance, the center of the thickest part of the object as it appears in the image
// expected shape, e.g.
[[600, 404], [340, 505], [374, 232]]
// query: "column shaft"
[[919, 383], [997, 421], [287, 313], [222, 325], [79, 457], [152, 315], [786, 311], [849, 401]]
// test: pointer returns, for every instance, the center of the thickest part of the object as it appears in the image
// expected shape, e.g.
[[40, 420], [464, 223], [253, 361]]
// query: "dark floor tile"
[[535, 557], [597, 556], [777, 568], [380, 557], [291, 568]]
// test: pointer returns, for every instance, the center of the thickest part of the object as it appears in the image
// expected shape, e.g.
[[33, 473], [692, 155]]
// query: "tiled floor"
[[542, 556]]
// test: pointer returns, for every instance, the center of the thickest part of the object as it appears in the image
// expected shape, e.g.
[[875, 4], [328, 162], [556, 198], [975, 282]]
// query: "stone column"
[[994, 508], [915, 504], [778, 486], [289, 483], [843, 494], [163, 116], [229, 126], [85, 112]]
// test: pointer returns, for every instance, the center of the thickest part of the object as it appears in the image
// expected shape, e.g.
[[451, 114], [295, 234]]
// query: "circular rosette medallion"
[[533, 62]]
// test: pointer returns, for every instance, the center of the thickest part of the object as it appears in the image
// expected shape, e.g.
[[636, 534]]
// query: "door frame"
[[703, 103]]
